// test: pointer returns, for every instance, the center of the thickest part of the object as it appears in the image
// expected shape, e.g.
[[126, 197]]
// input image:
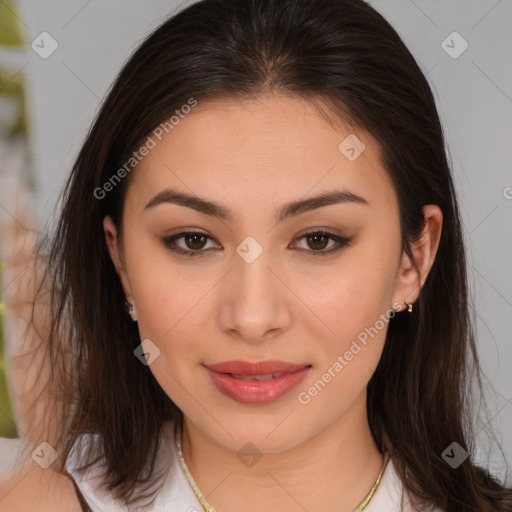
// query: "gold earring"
[[409, 306]]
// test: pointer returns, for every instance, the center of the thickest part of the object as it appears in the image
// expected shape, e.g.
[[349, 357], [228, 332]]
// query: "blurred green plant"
[[11, 33], [15, 90], [12, 87], [11, 90]]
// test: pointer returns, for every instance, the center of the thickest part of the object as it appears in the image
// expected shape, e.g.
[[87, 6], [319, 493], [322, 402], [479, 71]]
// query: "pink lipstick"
[[256, 383]]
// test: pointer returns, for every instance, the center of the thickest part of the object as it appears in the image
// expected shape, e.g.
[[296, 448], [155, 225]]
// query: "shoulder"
[[172, 492], [34, 488]]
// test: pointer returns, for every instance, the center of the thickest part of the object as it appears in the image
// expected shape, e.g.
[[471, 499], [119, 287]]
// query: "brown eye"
[[195, 240], [317, 241], [191, 243], [194, 243]]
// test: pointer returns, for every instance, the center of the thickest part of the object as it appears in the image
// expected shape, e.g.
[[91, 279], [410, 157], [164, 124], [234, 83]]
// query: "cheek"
[[170, 309], [167, 294], [355, 303], [354, 295], [359, 321], [357, 311], [171, 315]]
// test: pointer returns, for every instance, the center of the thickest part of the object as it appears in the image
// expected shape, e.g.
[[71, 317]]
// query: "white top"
[[177, 495]]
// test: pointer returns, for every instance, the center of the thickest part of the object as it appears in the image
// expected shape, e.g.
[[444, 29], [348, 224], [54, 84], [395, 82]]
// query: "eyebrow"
[[288, 210]]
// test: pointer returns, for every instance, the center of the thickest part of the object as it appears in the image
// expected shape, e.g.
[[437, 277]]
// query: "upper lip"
[[259, 368]]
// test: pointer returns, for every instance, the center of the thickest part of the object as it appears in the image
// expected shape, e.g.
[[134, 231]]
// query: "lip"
[[259, 368], [251, 391]]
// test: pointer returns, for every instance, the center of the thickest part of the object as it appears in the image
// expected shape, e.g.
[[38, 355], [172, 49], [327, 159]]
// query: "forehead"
[[272, 146]]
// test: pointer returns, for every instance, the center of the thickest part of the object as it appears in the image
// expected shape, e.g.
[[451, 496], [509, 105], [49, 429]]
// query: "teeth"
[[256, 377]]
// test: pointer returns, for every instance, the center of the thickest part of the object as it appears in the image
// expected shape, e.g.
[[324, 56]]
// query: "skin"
[[34, 488]]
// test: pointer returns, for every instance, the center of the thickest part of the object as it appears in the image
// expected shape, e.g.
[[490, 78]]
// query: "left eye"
[[319, 240], [195, 242]]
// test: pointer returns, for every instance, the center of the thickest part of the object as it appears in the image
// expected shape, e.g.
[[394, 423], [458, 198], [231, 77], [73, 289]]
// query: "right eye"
[[194, 242]]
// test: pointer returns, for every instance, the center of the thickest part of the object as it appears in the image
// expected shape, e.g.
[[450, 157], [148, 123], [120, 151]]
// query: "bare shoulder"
[[34, 488]]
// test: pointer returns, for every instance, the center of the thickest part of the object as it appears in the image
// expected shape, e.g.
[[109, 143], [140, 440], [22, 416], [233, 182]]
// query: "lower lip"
[[256, 391]]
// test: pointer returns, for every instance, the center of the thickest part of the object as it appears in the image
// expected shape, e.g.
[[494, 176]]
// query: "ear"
[[409, 283], [115, 251]]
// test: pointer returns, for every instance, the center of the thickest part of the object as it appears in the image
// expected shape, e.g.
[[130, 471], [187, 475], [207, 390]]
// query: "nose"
[[254, 303]]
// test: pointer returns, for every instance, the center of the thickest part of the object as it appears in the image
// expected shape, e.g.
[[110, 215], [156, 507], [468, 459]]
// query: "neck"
[[333, 470]]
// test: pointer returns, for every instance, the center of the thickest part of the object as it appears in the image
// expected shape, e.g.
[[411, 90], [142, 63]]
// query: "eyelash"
[[341, 241]]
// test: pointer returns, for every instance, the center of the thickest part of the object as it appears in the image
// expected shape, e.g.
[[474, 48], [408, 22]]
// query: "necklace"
[[208, 508]]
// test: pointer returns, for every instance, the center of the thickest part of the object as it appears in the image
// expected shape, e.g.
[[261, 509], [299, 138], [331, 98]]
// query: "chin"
[[270, 435]]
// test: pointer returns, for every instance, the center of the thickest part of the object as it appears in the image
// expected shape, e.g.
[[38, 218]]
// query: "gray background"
[[474, 96]]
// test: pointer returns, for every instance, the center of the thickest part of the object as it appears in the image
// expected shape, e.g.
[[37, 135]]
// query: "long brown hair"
[[345, 54]]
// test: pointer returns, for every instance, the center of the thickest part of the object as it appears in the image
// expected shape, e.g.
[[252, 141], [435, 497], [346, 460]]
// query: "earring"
[[409, 306], [131, 310]]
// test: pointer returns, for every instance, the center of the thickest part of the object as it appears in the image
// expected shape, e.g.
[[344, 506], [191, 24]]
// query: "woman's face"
[[252, 286]]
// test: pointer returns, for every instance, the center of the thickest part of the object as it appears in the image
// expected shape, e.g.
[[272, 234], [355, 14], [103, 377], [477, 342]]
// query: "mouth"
[[256, 383], [256, 377], [247, 368]]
